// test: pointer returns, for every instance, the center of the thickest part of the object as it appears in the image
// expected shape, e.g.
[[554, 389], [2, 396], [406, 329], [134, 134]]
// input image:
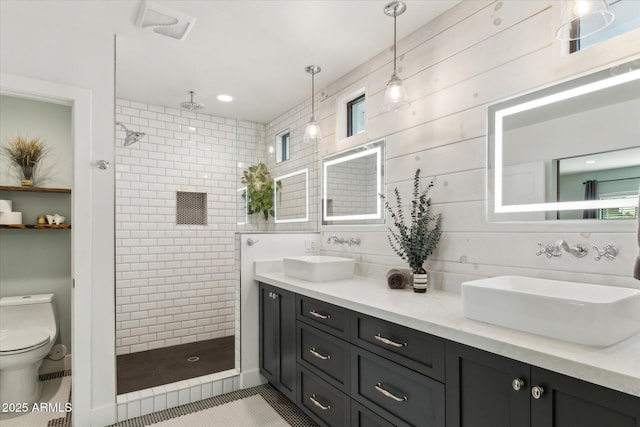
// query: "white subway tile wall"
[[301, 156], [175, 283]]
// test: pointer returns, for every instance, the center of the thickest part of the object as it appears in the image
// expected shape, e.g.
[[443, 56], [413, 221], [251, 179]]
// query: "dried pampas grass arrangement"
[[25, 154]]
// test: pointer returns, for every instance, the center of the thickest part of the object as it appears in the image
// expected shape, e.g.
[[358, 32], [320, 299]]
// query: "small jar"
[[42, 219]]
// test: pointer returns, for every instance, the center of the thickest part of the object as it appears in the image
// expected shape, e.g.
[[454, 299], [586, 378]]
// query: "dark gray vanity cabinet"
[[277, 314], [344, 368], [484, 389]]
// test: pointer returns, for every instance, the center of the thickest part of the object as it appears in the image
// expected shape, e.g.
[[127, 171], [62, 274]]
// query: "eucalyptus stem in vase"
[[415, 238]]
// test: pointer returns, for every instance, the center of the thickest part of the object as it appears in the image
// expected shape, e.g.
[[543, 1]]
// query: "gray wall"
[[39, 261]]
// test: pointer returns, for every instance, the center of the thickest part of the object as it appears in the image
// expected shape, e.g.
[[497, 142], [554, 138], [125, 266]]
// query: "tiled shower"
[[175, 282]]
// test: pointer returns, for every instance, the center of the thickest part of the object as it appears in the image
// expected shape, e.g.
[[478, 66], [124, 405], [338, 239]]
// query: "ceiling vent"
[[164, 21]]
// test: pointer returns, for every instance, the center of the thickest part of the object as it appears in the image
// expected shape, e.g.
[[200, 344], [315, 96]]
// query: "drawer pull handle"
[[313, 351], [313, 399], [390, 395], [320, 315], [389, 342]]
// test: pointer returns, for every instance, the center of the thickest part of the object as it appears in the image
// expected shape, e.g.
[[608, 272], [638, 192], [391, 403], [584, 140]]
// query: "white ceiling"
[[256, 50]]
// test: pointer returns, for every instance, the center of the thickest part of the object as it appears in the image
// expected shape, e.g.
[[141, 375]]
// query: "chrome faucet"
[[555, 249], [578, 250], [334, 239]]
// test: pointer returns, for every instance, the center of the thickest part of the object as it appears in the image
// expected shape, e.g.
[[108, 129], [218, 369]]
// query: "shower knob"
[[103, 164]]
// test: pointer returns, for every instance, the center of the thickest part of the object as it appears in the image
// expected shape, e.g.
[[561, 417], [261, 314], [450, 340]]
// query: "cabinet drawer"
[[364, 417], [324, 354], [324, 403], [417, 350], [324, 316], [395, 391]]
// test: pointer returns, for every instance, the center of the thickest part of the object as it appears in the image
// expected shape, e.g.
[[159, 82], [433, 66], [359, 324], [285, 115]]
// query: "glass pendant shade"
[[583, 18], [312, 133], [395, 97]]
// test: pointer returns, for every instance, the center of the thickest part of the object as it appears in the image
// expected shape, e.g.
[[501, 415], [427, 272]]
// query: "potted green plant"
[[260, 190], [25, 154], [414, 242]]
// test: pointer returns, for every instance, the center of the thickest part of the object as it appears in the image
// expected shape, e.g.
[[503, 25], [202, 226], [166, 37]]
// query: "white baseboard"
[[104, 415], [251, 379]]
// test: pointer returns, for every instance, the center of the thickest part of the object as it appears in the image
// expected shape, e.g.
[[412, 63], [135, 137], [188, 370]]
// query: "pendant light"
[[583, 18], [312, 134], [395, 97]]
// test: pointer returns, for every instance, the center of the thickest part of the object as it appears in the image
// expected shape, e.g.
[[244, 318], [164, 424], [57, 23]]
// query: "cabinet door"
[[569, 402], [287, 342], [480, 391], [278, 338], [268, 308]]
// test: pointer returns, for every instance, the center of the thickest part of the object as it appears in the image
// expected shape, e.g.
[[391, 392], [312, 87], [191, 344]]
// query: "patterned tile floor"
[[50, 410], [283, 406], [57, 390]]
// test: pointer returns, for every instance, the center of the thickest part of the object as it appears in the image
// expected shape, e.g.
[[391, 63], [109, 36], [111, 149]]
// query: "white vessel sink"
[[319, 268], [576, 312]]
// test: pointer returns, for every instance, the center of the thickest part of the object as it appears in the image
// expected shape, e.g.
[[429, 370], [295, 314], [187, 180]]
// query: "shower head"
[[131, 137], [191, 105]]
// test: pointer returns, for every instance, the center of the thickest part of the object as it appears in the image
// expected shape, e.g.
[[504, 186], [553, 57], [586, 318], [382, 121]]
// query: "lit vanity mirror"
[[569, 151], [291, 197], [352, 182]]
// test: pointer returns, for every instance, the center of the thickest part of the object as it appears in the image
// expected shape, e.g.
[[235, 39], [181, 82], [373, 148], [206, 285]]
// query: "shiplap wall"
[[473, 55]]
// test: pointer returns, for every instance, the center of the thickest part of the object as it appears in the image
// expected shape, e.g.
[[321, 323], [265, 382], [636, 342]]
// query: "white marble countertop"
[[440, 313]]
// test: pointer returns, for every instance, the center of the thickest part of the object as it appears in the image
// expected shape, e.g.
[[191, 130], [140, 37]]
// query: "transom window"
[[283, 146]]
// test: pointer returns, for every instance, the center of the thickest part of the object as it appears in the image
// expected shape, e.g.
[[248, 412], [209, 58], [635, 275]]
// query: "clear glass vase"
[[27, 176]]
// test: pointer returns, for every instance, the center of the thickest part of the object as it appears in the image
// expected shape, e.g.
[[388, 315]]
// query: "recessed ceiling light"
[[224, 98], [590, 162]]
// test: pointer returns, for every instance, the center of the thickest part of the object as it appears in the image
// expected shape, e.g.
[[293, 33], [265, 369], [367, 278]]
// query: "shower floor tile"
[[146, 369]]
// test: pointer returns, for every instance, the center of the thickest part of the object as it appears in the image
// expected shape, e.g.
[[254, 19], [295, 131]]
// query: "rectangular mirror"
[[569, 151], [352, 182], [291, 197]]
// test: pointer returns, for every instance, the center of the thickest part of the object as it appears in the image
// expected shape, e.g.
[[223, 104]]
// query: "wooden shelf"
[[35, 189], [36, 226]]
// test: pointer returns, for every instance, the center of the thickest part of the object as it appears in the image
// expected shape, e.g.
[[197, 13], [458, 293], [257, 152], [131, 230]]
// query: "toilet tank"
[[29, 311]]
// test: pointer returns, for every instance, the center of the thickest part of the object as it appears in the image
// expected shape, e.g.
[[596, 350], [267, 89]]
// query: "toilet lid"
[[23, 340]]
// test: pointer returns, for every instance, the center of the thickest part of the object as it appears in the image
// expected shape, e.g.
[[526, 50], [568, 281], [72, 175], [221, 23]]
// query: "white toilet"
[[28, 330]]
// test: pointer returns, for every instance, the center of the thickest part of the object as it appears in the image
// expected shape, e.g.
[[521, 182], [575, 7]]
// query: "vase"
[[27, 176], [420, 280]]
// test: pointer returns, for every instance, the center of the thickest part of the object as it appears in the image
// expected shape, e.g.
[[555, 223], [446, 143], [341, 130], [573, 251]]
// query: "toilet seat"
[[14, 342]]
